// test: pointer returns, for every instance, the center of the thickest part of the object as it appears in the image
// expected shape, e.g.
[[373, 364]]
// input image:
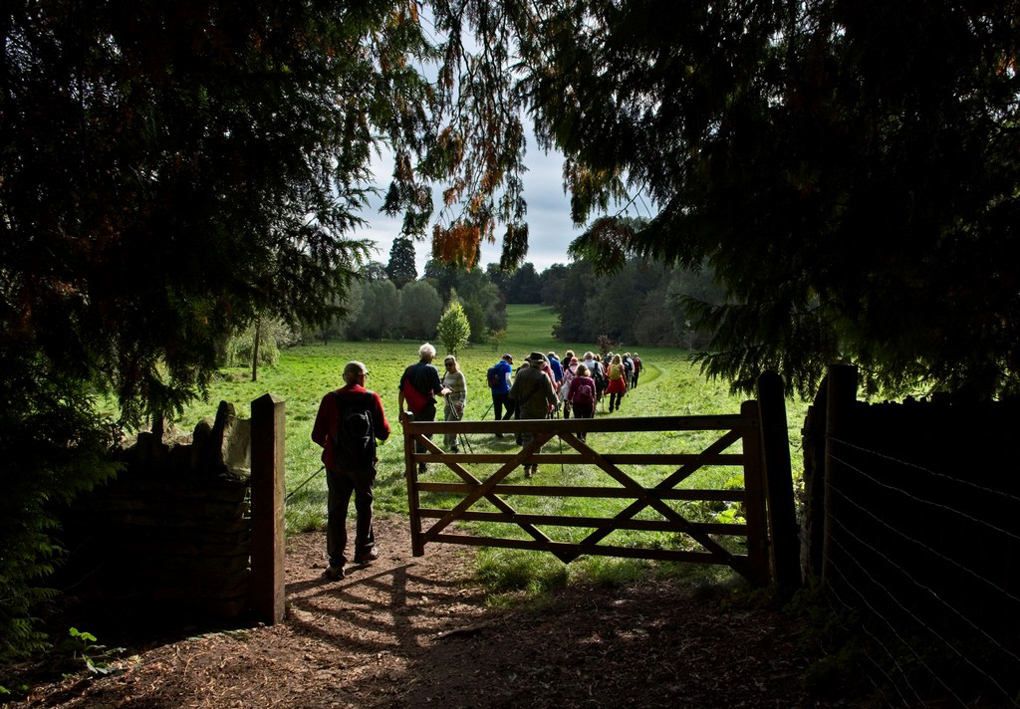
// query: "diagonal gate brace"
[[647, 498], [485, 490]]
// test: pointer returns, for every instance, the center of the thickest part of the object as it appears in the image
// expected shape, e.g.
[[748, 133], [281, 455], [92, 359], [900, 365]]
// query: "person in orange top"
[[346, 472]]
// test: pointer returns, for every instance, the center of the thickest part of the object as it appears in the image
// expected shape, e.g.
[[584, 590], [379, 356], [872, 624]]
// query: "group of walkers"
[[351, 420], [615, 379]]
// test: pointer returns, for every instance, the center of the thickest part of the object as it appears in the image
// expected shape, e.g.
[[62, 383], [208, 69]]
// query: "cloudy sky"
[[550, 229]]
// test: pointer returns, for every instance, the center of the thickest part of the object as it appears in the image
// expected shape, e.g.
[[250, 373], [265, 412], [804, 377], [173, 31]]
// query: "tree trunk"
[[255, 350]]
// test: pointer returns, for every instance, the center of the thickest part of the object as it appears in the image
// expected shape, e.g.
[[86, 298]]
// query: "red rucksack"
[[416, 401]]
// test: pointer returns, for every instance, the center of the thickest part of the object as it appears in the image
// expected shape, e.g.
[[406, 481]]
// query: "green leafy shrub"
[[453, 330]]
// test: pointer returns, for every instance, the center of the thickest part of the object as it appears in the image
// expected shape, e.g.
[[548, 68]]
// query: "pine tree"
[[402, 269]]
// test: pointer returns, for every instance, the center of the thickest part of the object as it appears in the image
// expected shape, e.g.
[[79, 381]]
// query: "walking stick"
[[463, 438], [307, 480], [560, 441]]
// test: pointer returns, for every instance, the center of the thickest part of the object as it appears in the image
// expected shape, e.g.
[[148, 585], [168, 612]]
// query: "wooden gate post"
[[268, 492], [779, 481], [754, 501], [841, 397], [411, 472]]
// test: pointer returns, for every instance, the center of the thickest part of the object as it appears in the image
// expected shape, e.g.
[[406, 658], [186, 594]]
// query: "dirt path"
[[416, 632]]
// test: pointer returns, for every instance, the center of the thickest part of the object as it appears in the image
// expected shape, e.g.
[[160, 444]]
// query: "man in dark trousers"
[[419, 385], [535, 396], [350, 467], [499, 384]]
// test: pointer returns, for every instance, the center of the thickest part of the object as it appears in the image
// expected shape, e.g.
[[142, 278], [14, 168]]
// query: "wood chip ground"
[[416, 632]]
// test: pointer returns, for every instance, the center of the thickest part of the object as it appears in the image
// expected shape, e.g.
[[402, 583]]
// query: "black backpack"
[[354, 437], [598, 374], [493, 378]]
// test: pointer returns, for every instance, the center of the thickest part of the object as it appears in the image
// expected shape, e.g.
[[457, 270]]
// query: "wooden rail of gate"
[[745, 427]]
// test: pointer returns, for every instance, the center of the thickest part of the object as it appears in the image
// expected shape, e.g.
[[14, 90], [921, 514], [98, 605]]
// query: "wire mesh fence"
[[919, 558]]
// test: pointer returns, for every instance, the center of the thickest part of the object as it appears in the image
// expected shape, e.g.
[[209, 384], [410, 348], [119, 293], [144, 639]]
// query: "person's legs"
[[338, 499], [529, 468], [426, 414], [583, 411], [364, 541], [510, 408], [450, 414]]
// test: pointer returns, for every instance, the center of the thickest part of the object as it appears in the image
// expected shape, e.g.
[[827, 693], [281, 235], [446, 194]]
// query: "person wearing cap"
[[341, 481], [534, 395], [499, 377]]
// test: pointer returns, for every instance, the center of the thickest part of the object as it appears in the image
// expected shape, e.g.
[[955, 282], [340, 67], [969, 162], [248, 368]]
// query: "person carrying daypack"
[[569, 372], [419, 385], [582, 395], [498, 379], [597, 374], [637, 370], [617, 383], [534, 394], [347, 425], [628, 369]]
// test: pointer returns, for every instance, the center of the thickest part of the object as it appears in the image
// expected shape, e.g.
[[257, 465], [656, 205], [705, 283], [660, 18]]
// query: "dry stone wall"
[[171, 535]]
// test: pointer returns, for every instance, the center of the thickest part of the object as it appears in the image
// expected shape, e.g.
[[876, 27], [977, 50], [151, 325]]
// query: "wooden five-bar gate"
[[767, 495]]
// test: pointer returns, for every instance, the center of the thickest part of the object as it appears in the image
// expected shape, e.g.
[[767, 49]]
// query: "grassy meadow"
[[669, 385]]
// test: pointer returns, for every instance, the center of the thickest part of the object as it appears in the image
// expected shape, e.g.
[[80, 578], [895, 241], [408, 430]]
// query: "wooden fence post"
[[782, 513], [268, 490], [754, 501], [413, 503], [841, 397]]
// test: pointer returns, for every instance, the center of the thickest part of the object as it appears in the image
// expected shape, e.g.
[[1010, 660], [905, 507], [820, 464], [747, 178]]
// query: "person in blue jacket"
[[499, 378], [557, 368]]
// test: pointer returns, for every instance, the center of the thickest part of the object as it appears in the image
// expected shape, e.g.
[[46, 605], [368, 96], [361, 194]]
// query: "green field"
[[670, 385]]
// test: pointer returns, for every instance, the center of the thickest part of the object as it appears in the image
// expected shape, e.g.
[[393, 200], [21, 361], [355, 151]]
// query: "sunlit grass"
[[670, 385]]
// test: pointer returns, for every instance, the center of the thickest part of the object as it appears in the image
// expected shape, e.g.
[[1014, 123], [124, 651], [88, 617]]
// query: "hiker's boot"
[[367, 557], [333, 573]]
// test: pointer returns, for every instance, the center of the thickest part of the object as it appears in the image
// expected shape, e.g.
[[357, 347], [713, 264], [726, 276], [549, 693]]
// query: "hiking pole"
[[307, 480], [463, 438], [560, 441]]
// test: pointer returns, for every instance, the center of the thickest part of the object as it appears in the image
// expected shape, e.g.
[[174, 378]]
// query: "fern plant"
[[54, 445]]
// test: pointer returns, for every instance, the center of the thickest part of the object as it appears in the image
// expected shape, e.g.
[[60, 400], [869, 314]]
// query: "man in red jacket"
[[348, 471]]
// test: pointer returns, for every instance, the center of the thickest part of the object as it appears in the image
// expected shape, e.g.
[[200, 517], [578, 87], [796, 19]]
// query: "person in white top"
[[455, 384]]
